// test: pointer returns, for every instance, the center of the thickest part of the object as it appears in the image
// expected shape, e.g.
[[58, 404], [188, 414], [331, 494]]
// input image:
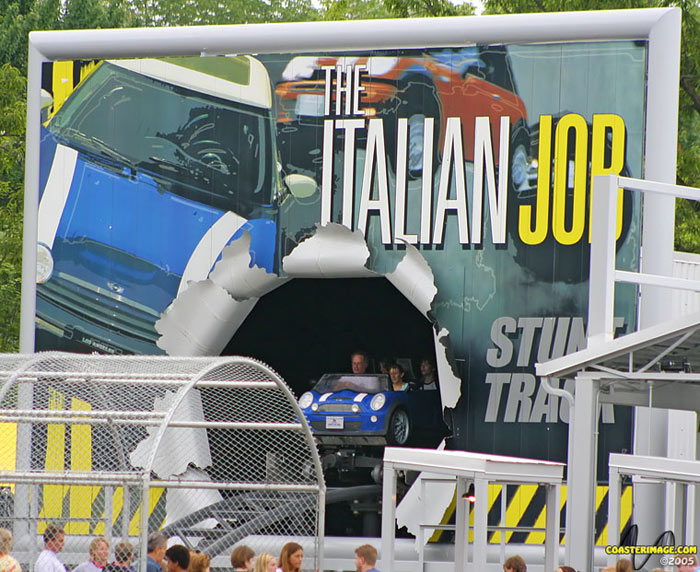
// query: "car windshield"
[[360, 383], [208, 149]]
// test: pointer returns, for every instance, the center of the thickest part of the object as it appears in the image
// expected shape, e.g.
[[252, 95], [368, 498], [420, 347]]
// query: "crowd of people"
[[178, 558], [161, 558]]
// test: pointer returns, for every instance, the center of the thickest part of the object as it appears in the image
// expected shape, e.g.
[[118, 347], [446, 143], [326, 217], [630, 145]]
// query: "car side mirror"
[[46, 103], [300, 186]]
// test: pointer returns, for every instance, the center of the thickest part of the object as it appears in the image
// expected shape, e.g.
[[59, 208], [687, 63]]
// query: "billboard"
[[175, 191]]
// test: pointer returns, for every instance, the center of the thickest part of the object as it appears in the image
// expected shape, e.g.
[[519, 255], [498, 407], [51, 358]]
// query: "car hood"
[[119, 229]]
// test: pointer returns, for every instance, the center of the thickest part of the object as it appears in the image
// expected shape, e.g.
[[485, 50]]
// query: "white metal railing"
[[603, 272]]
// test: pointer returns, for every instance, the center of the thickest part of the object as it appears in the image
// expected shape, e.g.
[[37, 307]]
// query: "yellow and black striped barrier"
[[82, 508], [525, 509]]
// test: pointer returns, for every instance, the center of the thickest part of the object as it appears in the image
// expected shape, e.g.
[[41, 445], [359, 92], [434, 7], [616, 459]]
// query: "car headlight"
[[44, 263], [306, 400], [355, 408], [377, 402]]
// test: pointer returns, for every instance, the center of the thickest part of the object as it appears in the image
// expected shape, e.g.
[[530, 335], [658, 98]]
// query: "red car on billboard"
[[465, 82]]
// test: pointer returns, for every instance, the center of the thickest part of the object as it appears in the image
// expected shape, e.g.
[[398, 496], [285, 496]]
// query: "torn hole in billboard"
[[207, 314], [204, 316]]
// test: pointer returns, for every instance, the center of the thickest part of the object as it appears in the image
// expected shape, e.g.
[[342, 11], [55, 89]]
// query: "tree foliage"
[[687, 232], [12, 128]]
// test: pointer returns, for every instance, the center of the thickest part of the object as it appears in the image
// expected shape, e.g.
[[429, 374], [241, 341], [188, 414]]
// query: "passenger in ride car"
[[428, 376], [359, 361], [396, 373], [385, 364]]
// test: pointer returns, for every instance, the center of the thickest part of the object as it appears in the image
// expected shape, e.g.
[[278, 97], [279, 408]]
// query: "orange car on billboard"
[[465, 82]]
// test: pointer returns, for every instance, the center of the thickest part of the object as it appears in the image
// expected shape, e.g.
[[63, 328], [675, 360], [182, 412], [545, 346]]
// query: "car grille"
[[349, 425], [335, 407], [100, 307]]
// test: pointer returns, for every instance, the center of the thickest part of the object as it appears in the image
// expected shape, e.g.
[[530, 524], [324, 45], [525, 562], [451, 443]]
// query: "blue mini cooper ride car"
[[362, 409]]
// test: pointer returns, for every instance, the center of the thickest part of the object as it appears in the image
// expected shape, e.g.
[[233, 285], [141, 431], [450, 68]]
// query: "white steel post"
[[614, 489], [650, 427], [143, 522], [601, 291], [481, 490], [581, 475], [31, 200], [461, 525], [551, 542], [388, 517], [23, 530]]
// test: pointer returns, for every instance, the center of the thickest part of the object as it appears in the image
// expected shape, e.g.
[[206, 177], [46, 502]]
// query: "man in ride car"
[[359, 361]]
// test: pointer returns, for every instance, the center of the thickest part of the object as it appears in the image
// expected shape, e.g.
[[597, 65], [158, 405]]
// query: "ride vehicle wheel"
[[399, 430]]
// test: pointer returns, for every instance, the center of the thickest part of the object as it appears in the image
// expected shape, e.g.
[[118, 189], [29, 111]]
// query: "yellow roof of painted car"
[[236, 78]]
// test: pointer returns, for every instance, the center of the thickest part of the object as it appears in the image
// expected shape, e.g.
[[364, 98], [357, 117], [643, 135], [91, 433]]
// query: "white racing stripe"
[[210, 246], [359, 397], [53, 201]]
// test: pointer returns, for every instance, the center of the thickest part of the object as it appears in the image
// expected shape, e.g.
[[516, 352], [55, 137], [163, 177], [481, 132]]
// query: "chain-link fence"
[[215, 448]]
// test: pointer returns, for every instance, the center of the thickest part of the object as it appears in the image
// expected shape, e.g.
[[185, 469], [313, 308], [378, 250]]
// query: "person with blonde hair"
[[99, 556], [624, 565], [7, 562], [199, 562], [265, 563]]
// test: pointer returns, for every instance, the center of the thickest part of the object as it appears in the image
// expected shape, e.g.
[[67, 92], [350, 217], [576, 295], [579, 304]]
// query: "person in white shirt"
[[99, 556], [48, 561]]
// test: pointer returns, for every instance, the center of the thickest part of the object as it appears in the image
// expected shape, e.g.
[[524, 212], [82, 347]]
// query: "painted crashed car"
[[467, 82], [149, 169], [362, 409]]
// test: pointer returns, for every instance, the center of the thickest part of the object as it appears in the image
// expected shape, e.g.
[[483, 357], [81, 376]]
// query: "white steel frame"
[[681, 474], [482, 470], [633, 383], [660, 26]]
